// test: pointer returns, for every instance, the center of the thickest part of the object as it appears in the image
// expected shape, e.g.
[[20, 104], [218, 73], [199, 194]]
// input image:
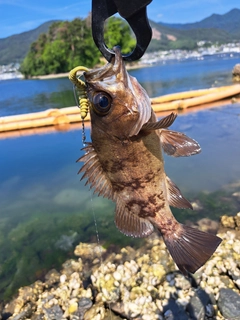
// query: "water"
[[18, 96], [45, 209]]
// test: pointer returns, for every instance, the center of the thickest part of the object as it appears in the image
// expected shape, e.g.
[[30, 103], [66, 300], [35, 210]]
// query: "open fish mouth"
[[114, 71]]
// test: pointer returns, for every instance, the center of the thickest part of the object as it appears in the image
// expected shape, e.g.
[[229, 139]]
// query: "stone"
[[229, 303], [173, 311], [228, 222], [53, 313], [237, 220], [208, 225], [236, 73], [83, 305], [52, 277], [197, 304]]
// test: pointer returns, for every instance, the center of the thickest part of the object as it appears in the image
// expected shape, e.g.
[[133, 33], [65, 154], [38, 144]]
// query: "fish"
[[124, 163]]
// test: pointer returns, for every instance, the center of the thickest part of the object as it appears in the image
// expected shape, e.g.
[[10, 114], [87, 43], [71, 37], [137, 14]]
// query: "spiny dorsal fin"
[[163, 123], [177, 144], [93, 171], [175, 197], [131, 224]]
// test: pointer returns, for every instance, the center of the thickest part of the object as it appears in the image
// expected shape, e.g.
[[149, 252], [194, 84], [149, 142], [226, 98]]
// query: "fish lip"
[[114, 70], [119, 66]]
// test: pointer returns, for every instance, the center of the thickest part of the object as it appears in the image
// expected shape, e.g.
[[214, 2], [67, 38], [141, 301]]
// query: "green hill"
[[216, 28], [229, 22], [14, 48]]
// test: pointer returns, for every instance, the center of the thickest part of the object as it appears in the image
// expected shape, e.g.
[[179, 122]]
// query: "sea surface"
[[44, 207]]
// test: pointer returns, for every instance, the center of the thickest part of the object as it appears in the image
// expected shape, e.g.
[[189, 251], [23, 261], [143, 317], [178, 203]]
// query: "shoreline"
[[65, 74], [141, 283], [150, 59]]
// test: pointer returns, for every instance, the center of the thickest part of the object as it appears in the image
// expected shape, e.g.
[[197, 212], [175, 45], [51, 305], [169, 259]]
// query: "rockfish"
[[124, 163]]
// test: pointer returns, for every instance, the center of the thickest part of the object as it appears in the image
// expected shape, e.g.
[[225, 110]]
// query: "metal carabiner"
[[134, 12]]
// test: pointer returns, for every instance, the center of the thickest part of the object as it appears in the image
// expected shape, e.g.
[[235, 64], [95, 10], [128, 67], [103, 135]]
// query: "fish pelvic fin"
[[129, 223], [163, 123], [190, 248], [93, 171], [174, 143], [177, 144]]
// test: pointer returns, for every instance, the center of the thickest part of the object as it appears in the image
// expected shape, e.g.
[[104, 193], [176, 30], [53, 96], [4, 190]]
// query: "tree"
[[69, 44], [118, 33]]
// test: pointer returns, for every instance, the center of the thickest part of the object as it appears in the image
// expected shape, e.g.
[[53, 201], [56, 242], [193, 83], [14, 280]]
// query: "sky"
[[18, 16]]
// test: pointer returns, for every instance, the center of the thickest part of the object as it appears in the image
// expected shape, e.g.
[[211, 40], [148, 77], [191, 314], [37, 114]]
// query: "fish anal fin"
[[175, 197], [163, 123], [130, 224], [177, 144], [93, 171], [190, 248]]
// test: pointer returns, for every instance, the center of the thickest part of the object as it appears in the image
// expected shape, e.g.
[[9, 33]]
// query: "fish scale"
[[124, 163]]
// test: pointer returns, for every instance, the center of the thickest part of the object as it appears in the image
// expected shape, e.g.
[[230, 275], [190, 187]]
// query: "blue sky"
[[17, 16]]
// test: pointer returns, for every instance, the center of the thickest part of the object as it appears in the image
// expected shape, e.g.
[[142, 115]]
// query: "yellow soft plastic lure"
[[80, 85]]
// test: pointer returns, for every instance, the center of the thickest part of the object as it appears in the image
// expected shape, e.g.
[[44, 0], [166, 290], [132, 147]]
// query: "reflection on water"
[[24, 96], [185, 75]]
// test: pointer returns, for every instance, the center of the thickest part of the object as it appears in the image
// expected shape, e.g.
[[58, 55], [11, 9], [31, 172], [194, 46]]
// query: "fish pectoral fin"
[[190, 248], [163, 123], [177, 144], [94, 173], [130, 224], [175, 197]]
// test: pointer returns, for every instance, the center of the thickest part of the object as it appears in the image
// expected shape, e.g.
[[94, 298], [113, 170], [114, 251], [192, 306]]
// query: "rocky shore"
[[137, 284]]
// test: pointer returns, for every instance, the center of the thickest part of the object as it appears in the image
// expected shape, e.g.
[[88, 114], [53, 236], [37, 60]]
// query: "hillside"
[[174, 38], [15, 48], [229, 22], [216, 28]]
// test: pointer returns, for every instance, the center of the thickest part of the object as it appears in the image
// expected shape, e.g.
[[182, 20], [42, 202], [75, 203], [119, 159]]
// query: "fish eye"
[[102, 103]]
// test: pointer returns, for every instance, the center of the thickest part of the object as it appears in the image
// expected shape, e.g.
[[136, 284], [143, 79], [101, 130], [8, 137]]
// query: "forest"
[[68, 44]]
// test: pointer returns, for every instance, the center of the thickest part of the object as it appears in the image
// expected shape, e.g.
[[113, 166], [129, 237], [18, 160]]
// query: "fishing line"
[[99, 246], [96, 228], [83, 103]]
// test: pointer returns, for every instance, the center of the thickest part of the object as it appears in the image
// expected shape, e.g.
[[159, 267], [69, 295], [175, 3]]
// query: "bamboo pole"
[[207, 98], [187, 94], [65, 116]]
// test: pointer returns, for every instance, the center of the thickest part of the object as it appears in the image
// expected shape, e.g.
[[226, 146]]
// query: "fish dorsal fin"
[[94, 173], [177, 144], [175, 197], [131, 224], [163, 123]]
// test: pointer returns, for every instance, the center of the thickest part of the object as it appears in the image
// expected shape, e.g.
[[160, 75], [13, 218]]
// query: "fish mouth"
[[112, 72]]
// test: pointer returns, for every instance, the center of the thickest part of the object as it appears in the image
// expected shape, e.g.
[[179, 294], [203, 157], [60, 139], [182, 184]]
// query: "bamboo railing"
[[65, 116]]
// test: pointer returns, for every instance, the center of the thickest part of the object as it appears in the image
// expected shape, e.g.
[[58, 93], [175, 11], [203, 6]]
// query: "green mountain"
[[216, 28], [229, 22], [14, 48]]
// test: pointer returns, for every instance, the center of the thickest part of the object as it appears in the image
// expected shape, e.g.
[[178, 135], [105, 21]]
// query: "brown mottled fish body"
[[124, 163]]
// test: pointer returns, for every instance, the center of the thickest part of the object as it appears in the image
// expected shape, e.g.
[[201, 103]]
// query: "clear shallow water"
[[41, 196]]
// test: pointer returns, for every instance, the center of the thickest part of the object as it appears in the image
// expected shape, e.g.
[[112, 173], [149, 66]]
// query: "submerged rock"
[[136, 284], [236, 73], [228, 222]]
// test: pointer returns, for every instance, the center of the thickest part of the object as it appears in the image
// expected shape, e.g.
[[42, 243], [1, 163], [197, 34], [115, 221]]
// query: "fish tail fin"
[[190, 248]]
